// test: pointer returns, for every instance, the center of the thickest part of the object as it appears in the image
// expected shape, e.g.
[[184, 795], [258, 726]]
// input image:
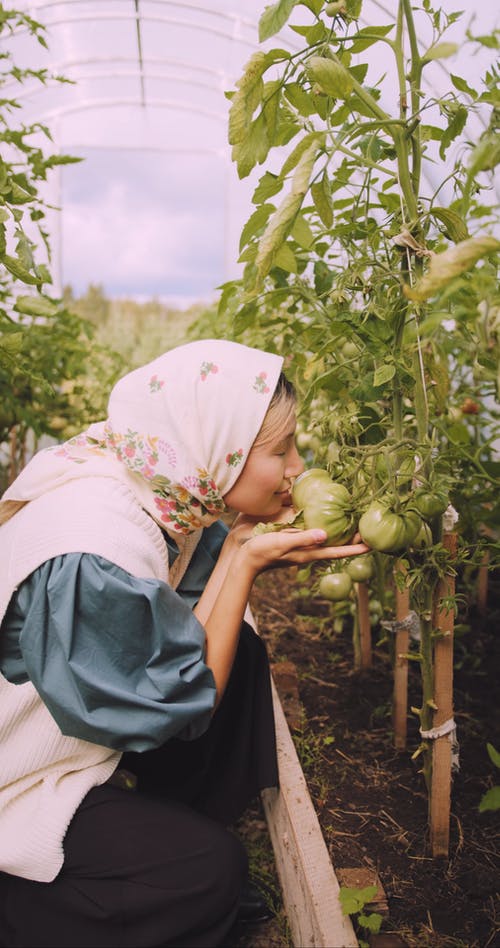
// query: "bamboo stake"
[[401, 648], [364, 626], [440, 790]]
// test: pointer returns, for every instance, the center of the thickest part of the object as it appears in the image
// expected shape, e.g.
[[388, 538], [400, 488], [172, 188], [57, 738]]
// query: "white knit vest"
[[43, 774]]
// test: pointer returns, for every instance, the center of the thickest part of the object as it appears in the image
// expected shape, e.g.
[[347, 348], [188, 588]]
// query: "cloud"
[[143, 224]]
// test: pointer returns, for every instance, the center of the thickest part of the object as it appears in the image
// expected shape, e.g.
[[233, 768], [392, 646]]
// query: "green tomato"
[[335, 586], [386, 531], [305, 483], [429, 503], [360, 568], [423, 538], [324, 505]]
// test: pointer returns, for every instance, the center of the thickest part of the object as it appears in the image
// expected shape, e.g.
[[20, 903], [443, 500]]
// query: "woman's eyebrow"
[[286, 437]]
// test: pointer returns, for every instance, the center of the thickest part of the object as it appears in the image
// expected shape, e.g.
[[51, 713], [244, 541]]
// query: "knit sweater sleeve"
[[118, 660]]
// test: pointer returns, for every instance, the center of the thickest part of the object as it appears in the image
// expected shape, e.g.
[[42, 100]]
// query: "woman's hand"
[[243, 526], [292, 548]]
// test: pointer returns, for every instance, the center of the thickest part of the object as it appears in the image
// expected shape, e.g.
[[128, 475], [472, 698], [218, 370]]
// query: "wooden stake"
[[401, 647], [365, 629], [440, 791]]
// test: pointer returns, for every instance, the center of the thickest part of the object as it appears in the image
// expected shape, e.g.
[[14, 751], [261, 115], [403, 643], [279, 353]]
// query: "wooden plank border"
[[309, 885]]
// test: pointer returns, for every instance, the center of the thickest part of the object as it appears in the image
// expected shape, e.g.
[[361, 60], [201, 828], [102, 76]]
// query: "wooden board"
[[309, 885]]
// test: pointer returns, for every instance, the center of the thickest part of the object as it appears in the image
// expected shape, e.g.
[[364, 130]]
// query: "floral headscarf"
[[178, 431]]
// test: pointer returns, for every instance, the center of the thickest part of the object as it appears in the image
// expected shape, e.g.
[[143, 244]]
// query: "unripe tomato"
[[429, 503], [360, 568], [335, 586], [304, 484], [324, 505], [386, 531], [423, 538], [406, 470]]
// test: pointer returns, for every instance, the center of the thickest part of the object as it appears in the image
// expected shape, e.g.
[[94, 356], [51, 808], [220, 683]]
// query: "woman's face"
[[264, 484]]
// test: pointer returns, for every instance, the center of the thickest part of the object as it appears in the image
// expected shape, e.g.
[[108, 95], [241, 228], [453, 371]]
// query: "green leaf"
[[303, 172], [490, 800], [276, 232], [255, 222], [62, 160], [269, 185], [322, 199], [371, 922], [247, 97], [444, 267], [11, 342], [285, 259], [315, 6], [317, 33], [270, 108], [323, 277], [493, 754], [274, 17], [454, 129], [486, 155], [296, 154], [299, 98], [253, 149], [332, 77], [440, 51], [354, 900], [368, 36], [302, 233], [453, 222], [15, 267], [463, 86], [384, 374], [35, 306]]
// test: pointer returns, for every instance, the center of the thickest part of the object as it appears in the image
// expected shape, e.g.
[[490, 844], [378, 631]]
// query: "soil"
[[371, 800]]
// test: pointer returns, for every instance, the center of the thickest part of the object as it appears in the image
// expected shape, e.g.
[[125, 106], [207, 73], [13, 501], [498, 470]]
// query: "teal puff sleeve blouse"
[[118, 661]]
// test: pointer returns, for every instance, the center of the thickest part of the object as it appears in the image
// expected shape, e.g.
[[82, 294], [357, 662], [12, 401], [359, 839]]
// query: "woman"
[[136, 710]]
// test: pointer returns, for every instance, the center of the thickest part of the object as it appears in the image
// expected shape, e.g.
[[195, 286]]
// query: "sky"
[[156, 206]]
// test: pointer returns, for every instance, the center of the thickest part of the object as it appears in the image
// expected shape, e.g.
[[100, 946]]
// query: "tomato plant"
[[44, 346], [378, 281]]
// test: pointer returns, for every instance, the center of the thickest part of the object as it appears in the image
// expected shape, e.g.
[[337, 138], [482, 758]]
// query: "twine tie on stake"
[[447, 728], [410, 623]]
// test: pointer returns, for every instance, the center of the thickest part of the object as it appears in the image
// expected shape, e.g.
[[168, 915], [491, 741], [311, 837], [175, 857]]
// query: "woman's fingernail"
[[320, 535]]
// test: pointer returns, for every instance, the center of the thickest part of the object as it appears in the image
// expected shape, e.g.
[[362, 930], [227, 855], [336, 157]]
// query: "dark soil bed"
[[370, 799]]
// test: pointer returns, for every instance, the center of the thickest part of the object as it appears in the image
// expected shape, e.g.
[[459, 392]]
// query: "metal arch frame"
[[233, 17], [86, 105], [130, 74]]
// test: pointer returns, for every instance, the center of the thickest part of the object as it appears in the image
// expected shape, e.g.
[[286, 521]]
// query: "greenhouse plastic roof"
[[148, 79]]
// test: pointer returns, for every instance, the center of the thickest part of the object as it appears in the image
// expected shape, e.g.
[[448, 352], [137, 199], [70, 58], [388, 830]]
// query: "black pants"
[[157, 866]]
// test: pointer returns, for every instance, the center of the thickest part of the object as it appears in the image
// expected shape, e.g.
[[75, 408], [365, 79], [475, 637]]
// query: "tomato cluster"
[[324, 504], [338, 585]]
